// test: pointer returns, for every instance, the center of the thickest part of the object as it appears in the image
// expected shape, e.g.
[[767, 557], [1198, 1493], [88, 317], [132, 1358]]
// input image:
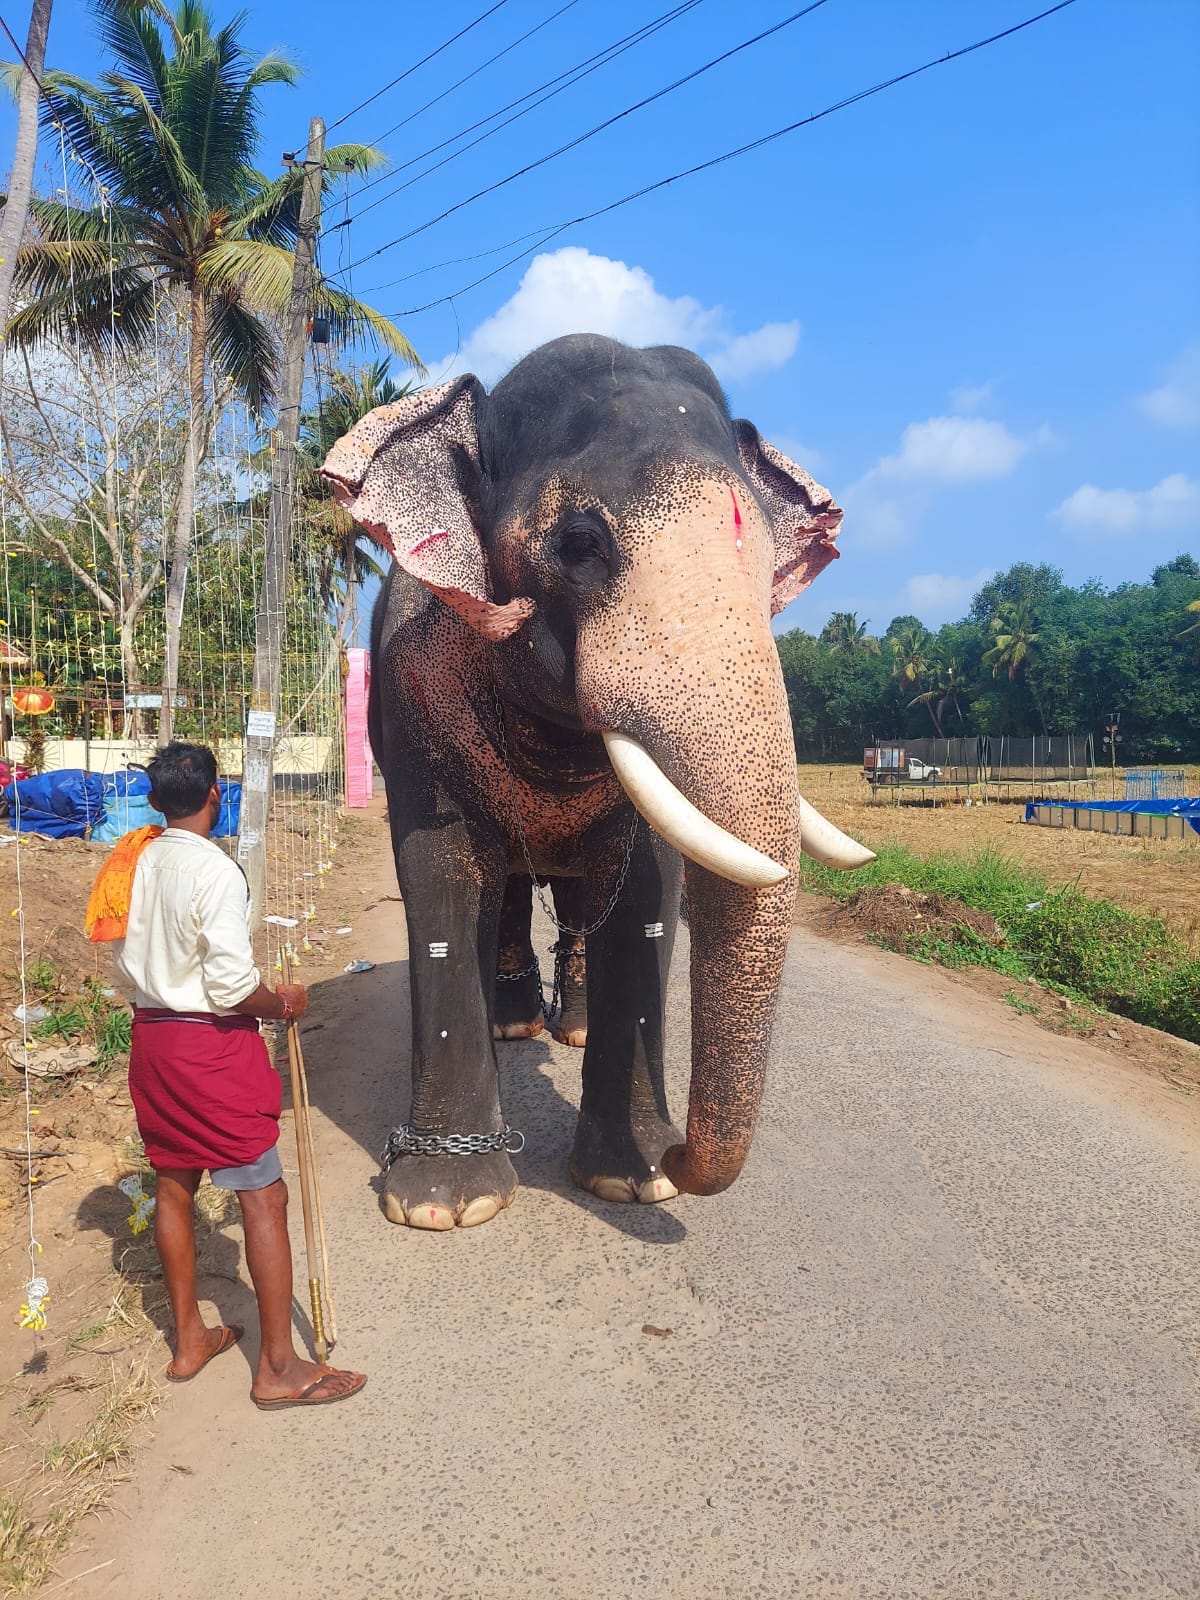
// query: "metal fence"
[[997, 758], [1156, 783]]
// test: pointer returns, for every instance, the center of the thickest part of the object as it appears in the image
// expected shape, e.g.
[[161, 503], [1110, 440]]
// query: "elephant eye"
[[585, 551]]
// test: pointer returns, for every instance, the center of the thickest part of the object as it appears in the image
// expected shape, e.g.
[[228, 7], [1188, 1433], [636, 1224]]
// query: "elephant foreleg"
[[624, 1124], [452, 880]]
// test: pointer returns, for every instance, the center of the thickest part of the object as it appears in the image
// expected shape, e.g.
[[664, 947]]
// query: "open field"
[[1157, 878]]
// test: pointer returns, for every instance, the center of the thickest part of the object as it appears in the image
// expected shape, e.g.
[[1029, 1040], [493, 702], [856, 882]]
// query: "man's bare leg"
[[280, 1373], [175, 1236]]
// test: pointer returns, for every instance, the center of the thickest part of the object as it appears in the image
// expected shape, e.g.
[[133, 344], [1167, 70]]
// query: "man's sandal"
[[229, 1337], [312, 1395]]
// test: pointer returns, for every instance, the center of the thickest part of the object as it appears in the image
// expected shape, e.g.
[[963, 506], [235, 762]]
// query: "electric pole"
[[270, 621]]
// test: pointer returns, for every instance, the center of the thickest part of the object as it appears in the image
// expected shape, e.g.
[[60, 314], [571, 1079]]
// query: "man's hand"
[[295, 1000]]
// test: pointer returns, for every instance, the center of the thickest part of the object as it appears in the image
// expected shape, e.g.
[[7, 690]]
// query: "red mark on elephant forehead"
[[432, 538], [737, 514]]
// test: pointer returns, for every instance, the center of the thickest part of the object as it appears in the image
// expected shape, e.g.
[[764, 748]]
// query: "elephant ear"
[[804, 519], [399, 473]]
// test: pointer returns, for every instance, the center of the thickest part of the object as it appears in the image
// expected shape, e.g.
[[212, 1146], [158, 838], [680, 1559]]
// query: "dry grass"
[[75, 1477], [1155, 877]]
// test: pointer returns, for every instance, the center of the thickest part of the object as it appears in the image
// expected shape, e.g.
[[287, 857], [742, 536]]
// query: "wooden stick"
[[316, 1188], [310, 1245]]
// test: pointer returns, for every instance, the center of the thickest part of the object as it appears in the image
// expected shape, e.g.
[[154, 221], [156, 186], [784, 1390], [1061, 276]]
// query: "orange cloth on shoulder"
[[108, 904]]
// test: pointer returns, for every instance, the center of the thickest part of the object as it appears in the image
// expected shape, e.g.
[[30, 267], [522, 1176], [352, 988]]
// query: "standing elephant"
[[574, 676]]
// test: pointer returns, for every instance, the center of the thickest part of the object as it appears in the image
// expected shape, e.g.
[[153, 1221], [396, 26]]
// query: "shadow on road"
[[357, 1054]]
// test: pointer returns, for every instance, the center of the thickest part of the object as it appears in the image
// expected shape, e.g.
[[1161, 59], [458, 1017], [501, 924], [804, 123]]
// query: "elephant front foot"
[[518, 1012], [442, 1192], [622, 1161]]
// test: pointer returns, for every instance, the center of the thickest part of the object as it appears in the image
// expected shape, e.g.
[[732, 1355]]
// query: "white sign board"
[[260, 725]]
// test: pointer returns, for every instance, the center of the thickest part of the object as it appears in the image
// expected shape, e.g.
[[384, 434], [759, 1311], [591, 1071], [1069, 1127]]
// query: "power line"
[[582, 138], [474, 73], [408, 71], [729, 155], [565, 80]]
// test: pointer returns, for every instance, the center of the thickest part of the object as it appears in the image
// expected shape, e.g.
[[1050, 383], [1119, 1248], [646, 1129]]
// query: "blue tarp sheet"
[[63, 805], [1158, 808], [127, 806]]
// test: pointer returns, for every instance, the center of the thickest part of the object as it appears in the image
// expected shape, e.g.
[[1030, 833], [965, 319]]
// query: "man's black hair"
[[181, 778]]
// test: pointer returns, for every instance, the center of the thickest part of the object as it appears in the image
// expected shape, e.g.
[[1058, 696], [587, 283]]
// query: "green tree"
[[912, 651], [1015, 634], [171, 133], [844, 631]]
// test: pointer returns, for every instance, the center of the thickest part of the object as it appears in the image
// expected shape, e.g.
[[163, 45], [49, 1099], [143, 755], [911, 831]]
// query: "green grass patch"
[[90, 1018], [1069, 941]]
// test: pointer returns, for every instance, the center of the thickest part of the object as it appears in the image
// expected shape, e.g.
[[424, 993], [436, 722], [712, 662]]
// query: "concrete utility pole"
[[258, 770]]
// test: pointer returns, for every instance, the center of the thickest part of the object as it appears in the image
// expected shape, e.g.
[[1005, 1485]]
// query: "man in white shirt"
[[204, 1091]]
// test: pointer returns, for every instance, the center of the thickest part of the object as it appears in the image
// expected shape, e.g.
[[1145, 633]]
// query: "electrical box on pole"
[[258, 774]]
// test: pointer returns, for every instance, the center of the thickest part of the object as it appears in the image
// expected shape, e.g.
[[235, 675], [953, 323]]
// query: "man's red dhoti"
[[203, 1089]]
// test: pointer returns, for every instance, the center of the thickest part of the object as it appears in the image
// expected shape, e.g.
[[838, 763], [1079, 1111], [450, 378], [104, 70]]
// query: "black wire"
[[715, 161], [48, 98], [491, 61], [583, 69], [532, 166], [408, 71]]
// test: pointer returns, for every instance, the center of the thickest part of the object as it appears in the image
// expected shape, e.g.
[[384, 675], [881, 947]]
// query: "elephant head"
[[624, 544]]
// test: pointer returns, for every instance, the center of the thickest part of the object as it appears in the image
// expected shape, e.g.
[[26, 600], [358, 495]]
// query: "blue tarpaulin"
[[127, 806], [1157, 808], [63, 805]]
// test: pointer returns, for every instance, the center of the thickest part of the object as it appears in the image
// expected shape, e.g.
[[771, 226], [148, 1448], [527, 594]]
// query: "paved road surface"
[[938, 1341]]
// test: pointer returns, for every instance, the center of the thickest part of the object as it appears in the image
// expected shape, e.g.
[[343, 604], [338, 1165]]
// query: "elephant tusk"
[[679, 822], [823, 842]]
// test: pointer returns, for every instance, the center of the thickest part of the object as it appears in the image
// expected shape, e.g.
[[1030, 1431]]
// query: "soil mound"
[[896, 916]]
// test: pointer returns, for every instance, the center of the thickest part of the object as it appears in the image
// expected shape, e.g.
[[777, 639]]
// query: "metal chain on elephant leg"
[[547, 906], [527, 972]]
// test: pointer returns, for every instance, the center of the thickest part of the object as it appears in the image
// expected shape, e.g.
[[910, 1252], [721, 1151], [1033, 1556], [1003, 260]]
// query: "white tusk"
[[823, 842], [679, 822]]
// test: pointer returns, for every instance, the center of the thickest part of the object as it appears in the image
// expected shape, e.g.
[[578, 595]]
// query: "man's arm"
[[231, 979]]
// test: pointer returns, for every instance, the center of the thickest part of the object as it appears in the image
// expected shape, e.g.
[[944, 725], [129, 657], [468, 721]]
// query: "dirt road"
[[938, 1341]]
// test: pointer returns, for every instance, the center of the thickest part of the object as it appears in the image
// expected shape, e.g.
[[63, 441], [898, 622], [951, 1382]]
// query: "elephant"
[[574, 676], [519, 987]]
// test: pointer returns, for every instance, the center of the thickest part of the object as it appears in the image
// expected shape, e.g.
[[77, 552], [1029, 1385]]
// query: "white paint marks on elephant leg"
[[654, 930], [438, 950]]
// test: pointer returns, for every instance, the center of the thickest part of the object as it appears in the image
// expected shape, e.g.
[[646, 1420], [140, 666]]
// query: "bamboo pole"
[[302, 1155]]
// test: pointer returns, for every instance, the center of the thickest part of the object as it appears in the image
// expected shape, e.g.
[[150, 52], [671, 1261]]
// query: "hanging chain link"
[[515, 977], [547, 906]]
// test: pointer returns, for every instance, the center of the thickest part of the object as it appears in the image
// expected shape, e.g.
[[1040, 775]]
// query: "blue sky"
[[969, 305]]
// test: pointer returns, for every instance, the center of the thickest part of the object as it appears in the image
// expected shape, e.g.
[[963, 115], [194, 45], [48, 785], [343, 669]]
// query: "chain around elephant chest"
[[523, 840]]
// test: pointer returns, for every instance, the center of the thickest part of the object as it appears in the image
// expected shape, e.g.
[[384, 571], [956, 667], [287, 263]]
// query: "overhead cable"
[[474, 73], [408, 71], [572, 144], [564, 80], [729, 155]]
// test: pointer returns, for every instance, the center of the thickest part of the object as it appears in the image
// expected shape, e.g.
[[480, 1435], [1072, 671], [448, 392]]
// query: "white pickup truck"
[[918, 771]]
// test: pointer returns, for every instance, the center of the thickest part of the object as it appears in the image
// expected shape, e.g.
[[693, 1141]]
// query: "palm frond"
[[106, 313], [352, 319], [260, 274], [131, 34], [242, 350], [360, 158], [271, 213]]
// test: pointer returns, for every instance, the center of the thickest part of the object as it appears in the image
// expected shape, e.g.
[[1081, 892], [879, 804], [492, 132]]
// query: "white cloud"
[[573, 291], [954, 450], [1173, 500], [970, 399], [773, 345], [936, 597], [804, 455], [1176, 403]]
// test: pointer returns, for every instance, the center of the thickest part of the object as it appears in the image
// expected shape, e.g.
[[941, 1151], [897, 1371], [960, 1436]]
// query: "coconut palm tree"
[[1015, 633], [911, 647], [948, 686], [170, 133], [844, 631]]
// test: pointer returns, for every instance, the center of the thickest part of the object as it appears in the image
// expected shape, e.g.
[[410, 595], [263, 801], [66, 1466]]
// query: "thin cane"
[[310, 1244], [315, 1173]]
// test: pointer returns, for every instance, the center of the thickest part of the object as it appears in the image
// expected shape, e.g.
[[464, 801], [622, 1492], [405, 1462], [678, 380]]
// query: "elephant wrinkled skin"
[[587, 557]]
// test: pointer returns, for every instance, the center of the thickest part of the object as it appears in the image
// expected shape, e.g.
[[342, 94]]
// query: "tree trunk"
[[131, 673], [20, 183], [185, 511]]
